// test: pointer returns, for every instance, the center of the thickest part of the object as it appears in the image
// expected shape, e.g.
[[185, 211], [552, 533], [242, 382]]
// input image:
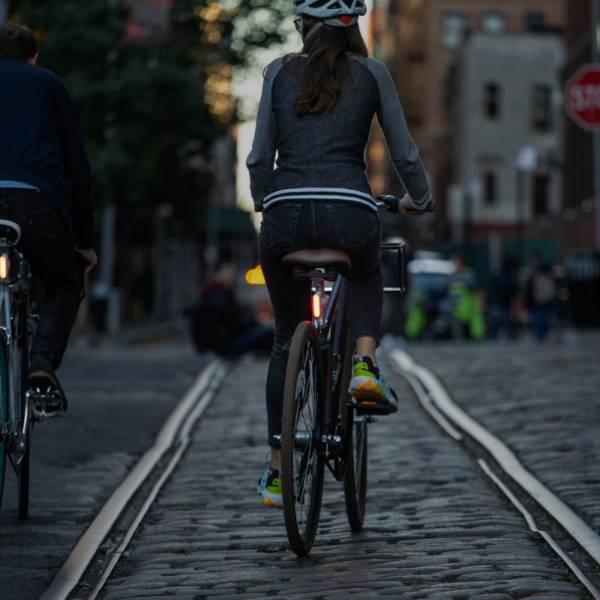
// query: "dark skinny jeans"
[[48, 244], [297, 226]]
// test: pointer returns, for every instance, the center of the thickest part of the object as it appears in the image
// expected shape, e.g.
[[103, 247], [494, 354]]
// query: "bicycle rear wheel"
[[3, 414], [303, 414], [25, 413], [355, 473]]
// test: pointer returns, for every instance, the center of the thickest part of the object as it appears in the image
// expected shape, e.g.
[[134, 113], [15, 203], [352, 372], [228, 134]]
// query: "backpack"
[[543, 289]]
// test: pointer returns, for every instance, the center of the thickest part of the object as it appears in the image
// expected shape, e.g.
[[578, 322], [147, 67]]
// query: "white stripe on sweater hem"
[[308, 197], [322, 191]]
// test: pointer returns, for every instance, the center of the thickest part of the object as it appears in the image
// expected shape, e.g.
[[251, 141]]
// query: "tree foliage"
[[151, 110]]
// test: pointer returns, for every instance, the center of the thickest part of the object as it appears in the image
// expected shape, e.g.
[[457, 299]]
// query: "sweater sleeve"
[[77, 169], [403, 151], [262, 156]]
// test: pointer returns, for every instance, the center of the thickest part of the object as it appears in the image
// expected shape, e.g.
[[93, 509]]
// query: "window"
[[491, 100], [493, 21], [535, 21], [490, 188], [453, 29], [540, 195], [541, 103]]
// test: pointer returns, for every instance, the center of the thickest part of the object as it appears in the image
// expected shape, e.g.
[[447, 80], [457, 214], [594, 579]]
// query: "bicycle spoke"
[[305, 421]]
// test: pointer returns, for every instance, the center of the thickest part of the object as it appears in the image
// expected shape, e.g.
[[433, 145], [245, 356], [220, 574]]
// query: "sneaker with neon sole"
[[262, 482], [368, 381], [271, 493]]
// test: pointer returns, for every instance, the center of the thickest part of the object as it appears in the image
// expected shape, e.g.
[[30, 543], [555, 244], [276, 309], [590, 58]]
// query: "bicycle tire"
[[301, 465], [355, 473], [23, 478], [3, 415]]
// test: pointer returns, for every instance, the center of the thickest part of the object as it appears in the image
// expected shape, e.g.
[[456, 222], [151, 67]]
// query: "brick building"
[[421, 41]]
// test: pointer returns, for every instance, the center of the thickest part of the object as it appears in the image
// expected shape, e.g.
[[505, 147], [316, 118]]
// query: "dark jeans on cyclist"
[[297, 226], [48, 244]]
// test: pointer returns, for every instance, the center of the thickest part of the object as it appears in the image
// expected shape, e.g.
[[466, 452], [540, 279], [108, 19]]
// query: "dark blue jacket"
[[41, 142]]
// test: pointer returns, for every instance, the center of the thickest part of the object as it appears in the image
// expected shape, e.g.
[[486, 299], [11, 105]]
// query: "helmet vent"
[[336, 5]]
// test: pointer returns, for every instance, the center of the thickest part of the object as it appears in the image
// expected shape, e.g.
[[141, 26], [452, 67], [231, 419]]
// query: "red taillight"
[[3, 267], [316, 306]]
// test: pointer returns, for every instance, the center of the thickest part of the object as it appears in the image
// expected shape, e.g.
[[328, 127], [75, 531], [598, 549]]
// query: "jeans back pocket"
[[354, 224], [279, 223]]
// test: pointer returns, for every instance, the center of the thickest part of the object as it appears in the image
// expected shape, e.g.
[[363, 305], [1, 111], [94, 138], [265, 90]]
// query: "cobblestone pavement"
[[435, 527], [543, 400], [118, 399]]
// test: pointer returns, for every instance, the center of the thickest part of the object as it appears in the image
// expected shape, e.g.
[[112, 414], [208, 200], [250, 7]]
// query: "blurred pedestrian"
[[503, 293], [220, 323], [467, 316], [46, 188], [541, 294]]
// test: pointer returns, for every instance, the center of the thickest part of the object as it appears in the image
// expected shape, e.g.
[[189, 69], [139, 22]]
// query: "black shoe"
[[48, 397]]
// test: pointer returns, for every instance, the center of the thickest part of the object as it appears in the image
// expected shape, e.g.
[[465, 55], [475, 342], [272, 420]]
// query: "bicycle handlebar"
[[390, 202]]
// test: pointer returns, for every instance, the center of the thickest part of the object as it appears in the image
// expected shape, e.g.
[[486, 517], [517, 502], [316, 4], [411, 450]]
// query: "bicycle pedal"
[[47, 405], [370, 406]]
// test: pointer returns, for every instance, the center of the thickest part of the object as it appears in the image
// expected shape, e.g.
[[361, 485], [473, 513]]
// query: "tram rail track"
[[457, 423], [170, 445], [155, 467]]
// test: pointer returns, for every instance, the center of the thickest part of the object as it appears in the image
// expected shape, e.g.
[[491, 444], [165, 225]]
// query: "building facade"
[[576, 227], [420, 41], [508, 96]]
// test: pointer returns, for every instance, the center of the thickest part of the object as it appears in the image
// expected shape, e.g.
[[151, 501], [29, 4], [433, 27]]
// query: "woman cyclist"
[[316, 112]]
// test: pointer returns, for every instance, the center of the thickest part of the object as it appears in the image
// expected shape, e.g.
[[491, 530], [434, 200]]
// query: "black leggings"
[[297, 226]]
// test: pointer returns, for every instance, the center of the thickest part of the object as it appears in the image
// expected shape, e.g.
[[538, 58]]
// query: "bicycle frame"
[[330, 319]]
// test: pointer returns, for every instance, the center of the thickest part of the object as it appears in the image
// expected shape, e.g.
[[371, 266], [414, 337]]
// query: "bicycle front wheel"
[[355, 473], [3, 414], [303, 414]]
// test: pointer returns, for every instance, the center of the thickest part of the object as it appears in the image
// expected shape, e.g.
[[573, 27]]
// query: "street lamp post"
[[525, 162]]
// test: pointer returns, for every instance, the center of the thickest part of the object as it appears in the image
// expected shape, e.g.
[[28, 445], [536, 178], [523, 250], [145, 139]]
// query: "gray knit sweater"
[[321, 157]]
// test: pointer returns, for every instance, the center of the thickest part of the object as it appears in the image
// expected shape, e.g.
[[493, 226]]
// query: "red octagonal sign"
[[582, 97]]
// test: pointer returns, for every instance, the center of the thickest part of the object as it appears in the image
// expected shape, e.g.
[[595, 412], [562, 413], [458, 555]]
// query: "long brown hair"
[[327, 66]]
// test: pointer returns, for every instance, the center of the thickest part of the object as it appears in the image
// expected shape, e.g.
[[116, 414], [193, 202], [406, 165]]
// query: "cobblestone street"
[[543, 400], [119, 397], [435, 526]]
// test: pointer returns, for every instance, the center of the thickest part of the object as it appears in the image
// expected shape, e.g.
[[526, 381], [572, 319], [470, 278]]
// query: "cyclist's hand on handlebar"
[[408, 210], [90, 258]]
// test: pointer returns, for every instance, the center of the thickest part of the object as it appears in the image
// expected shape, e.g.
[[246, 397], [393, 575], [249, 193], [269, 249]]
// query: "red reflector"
[[316, 306], [346, 19]]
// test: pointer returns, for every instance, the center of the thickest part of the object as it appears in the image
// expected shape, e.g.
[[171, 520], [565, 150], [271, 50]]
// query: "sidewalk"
[[119, 397], [435, 527]]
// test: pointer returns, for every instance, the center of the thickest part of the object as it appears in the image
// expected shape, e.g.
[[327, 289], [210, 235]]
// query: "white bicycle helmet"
[[335, 13]]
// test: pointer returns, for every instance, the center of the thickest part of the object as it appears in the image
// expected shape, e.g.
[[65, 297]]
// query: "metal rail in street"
[[175, 433], [437, 401]]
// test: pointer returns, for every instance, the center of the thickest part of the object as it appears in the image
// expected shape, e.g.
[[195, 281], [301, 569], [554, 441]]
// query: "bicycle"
[[17, 411], [322, 424]]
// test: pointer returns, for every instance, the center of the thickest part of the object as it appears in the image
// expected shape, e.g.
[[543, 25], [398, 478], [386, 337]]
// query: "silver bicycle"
[[17, 324]]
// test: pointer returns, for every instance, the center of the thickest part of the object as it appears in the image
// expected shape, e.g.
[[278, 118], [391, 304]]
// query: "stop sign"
[[582, 97]]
